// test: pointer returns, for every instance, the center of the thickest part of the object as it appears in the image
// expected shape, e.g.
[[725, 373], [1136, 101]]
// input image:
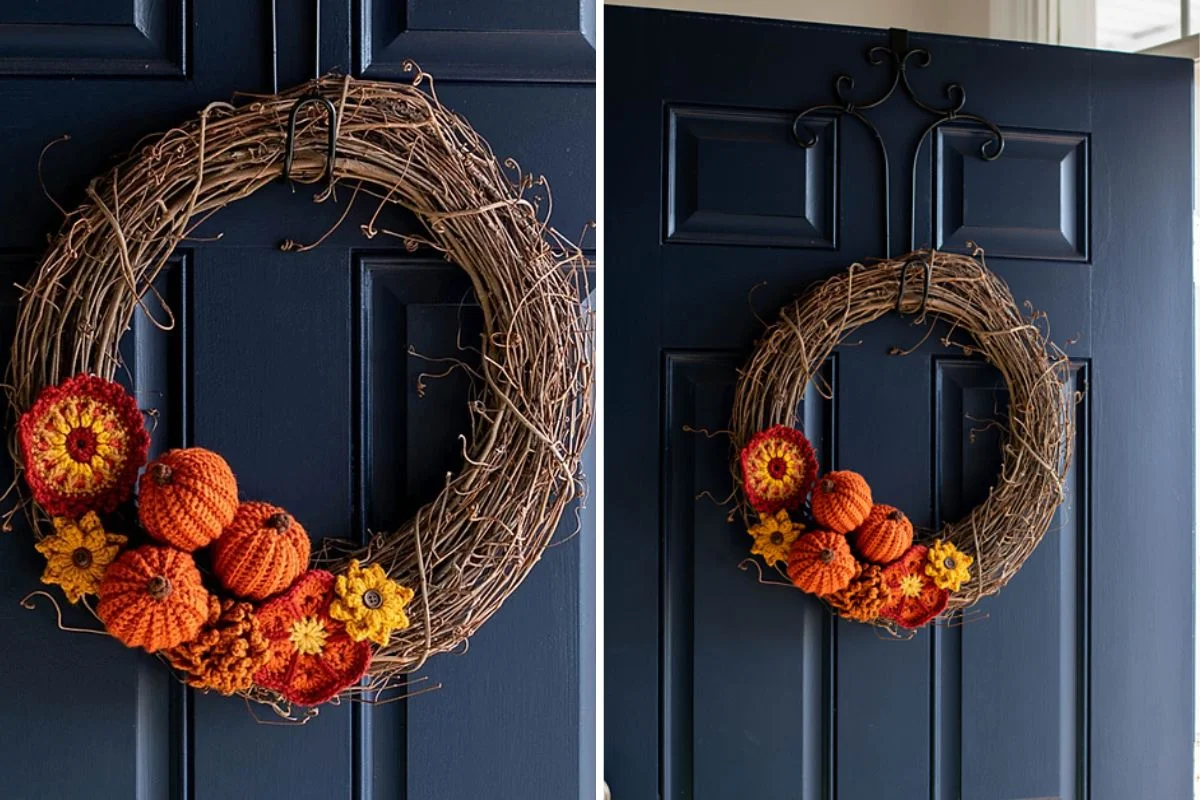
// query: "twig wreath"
[[264, 621], [862, 558]]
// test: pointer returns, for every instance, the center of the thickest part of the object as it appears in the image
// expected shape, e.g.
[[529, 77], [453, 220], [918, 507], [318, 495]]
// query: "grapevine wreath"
[[223, 587], [826, 533]]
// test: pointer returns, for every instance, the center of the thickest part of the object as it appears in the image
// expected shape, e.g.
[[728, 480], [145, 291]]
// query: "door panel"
[[1076, 680], [295, 366]]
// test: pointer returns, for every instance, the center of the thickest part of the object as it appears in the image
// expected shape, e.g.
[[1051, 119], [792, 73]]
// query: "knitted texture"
[[915, 598], [227, 652], [82, 444], [774, 536], [312, 657], [369, 603], [186, 497], [77, 554], [821, 563], [152, 597], [778, 469], [261, 552], [841, 501], [864, 597], [947, 565], [884, 535]]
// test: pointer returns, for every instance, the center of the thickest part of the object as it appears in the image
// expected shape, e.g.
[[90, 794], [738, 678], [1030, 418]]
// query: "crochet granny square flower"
[[779, 469]]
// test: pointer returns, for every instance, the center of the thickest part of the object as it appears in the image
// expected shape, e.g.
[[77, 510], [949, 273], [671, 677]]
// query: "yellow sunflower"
[[369, 603], [947, 565], [774, 536], [78, 553]]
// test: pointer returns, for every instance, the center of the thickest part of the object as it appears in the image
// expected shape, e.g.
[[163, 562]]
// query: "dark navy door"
[[296, 366], [1076, 680]]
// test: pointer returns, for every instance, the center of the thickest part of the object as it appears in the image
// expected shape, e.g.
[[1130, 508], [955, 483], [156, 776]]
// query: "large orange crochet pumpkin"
[[821, 563], [841, 501], [262, 551], [884, 535], [186, 497], [152, 597]]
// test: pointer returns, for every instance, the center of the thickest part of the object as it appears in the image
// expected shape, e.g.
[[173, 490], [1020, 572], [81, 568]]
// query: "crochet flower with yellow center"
[[78, 553], [947, 565], [774, 536], [369, 603], [778, 469], [308, 635]]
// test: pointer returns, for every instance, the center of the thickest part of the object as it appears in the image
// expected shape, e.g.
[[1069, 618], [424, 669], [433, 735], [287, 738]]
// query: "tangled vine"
[[1036, 442], [469, 548]]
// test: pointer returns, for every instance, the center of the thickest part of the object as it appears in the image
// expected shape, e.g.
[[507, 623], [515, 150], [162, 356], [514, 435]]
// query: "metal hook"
[[311, 97], [331, 142], [927, 263]]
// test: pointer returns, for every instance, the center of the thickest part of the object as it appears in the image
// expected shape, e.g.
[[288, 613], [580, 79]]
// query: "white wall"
[[967, 17], [1055, 21]]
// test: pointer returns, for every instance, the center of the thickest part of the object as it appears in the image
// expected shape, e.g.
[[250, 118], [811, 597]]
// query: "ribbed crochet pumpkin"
[[186, 497], [821, 563], [884, 535], [262, 551], [841, 501], [152, 597], [864, 597]]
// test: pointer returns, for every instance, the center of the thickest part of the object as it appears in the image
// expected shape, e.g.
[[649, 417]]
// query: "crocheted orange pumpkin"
[[152, 597], [821, 563], [261, 552], [841, 501], [186, 497], [884, 535]]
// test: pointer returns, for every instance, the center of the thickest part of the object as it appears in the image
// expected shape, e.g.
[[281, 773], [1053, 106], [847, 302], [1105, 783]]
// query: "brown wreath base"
[[466, 551], [1036, 442]]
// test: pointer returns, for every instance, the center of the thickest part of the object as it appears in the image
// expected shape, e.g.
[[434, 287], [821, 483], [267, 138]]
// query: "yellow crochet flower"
[[774, 536], [371, 605], [947, 565], [78, 553]]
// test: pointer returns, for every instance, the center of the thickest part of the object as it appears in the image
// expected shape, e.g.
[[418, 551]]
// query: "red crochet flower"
[[779, 469], [312, 657], [916, 599], [83, 443]]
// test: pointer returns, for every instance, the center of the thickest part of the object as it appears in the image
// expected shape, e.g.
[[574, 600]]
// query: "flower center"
[[776, 538], [308, 635], [81, 444], [81, 557], [949, 563], [777, 467], [372, 599], [910, 586]]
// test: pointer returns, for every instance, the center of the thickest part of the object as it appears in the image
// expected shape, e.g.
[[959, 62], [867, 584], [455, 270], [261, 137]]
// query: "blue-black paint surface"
[[1076, 680], [296, 367]]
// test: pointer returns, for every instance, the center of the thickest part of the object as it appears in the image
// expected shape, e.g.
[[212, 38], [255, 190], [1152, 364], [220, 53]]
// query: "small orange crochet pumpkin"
[[262, 551], [841, 501], [152, 597], [821, 563], [186, 497], [884, 535]]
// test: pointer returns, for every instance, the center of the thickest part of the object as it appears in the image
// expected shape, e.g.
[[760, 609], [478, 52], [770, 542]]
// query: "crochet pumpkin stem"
[[161, 473], [279, 522], [159, 587]]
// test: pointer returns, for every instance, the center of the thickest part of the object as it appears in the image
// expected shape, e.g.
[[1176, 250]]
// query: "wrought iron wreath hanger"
[[313, 97], [900, 56]]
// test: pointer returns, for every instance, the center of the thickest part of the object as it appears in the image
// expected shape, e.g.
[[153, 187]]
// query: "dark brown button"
[[372, 599]]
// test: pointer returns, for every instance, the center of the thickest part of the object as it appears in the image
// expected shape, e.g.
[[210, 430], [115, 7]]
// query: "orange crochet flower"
[[312, 658], [779, 469], [864, 597], [83, 443], [228, 651], [916, 599]]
